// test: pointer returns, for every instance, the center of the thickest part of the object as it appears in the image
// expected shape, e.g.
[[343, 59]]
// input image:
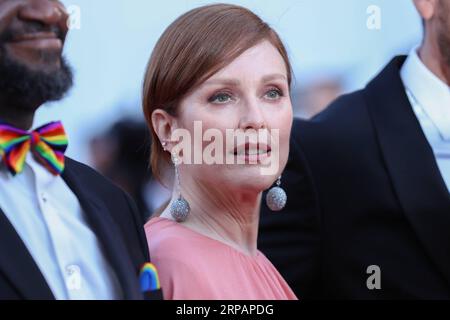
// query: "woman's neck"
[[228, 216]]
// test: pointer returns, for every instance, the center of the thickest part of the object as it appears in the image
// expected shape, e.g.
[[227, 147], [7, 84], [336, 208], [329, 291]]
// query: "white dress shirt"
[[49, 220], [430, 99]]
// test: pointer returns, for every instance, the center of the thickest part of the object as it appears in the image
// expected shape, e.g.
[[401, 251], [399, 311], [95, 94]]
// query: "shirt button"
[[73, 277]]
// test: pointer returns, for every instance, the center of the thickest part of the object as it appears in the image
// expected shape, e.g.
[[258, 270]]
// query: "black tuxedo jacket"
[[364, 189], [113, 218]]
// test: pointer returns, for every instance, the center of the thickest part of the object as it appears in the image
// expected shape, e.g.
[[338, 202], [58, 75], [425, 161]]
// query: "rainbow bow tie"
[[47, 143]]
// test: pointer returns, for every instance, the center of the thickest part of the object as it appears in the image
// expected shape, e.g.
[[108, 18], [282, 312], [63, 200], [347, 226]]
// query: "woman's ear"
[[163, 124]]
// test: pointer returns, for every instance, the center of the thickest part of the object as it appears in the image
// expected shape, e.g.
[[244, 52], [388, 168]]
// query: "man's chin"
[[40, 80]]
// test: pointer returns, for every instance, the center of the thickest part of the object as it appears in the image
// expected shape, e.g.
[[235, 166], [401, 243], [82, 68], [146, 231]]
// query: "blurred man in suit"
[[66, 232], [368, 184]]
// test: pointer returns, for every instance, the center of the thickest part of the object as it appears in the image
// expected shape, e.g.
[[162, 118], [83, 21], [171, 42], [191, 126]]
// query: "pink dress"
[[195, 267]]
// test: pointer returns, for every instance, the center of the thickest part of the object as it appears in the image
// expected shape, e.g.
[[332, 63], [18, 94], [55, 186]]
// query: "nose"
[[252, 116], [47, 12]]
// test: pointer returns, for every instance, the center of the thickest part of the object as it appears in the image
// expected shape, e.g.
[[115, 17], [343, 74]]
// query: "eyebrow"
[[236, 82], [274, 77]]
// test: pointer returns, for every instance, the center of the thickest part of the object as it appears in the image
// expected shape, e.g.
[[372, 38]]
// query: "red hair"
[[192, 49]]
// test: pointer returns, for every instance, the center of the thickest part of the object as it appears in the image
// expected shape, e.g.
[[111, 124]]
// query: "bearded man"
[[368, 183], [66, 232]]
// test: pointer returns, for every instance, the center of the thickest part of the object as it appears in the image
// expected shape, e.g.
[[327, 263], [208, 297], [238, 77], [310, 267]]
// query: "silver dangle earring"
[[276, 198], [179, 209]]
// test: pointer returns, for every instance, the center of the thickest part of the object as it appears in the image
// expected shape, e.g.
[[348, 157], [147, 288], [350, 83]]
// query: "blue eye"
[[220, 98], [274, 94]]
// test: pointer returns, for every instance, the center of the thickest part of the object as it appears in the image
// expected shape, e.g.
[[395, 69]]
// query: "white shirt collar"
[[430, 92]]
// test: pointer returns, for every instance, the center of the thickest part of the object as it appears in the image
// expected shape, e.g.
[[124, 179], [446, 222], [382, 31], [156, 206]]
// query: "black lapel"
[[107, 232], [17, 264], [411, 163]]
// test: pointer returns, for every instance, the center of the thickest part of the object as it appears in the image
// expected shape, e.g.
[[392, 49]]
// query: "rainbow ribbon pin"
[[149, 278]]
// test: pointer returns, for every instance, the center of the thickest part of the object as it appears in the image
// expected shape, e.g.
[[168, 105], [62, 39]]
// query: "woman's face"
[[250, 97]]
